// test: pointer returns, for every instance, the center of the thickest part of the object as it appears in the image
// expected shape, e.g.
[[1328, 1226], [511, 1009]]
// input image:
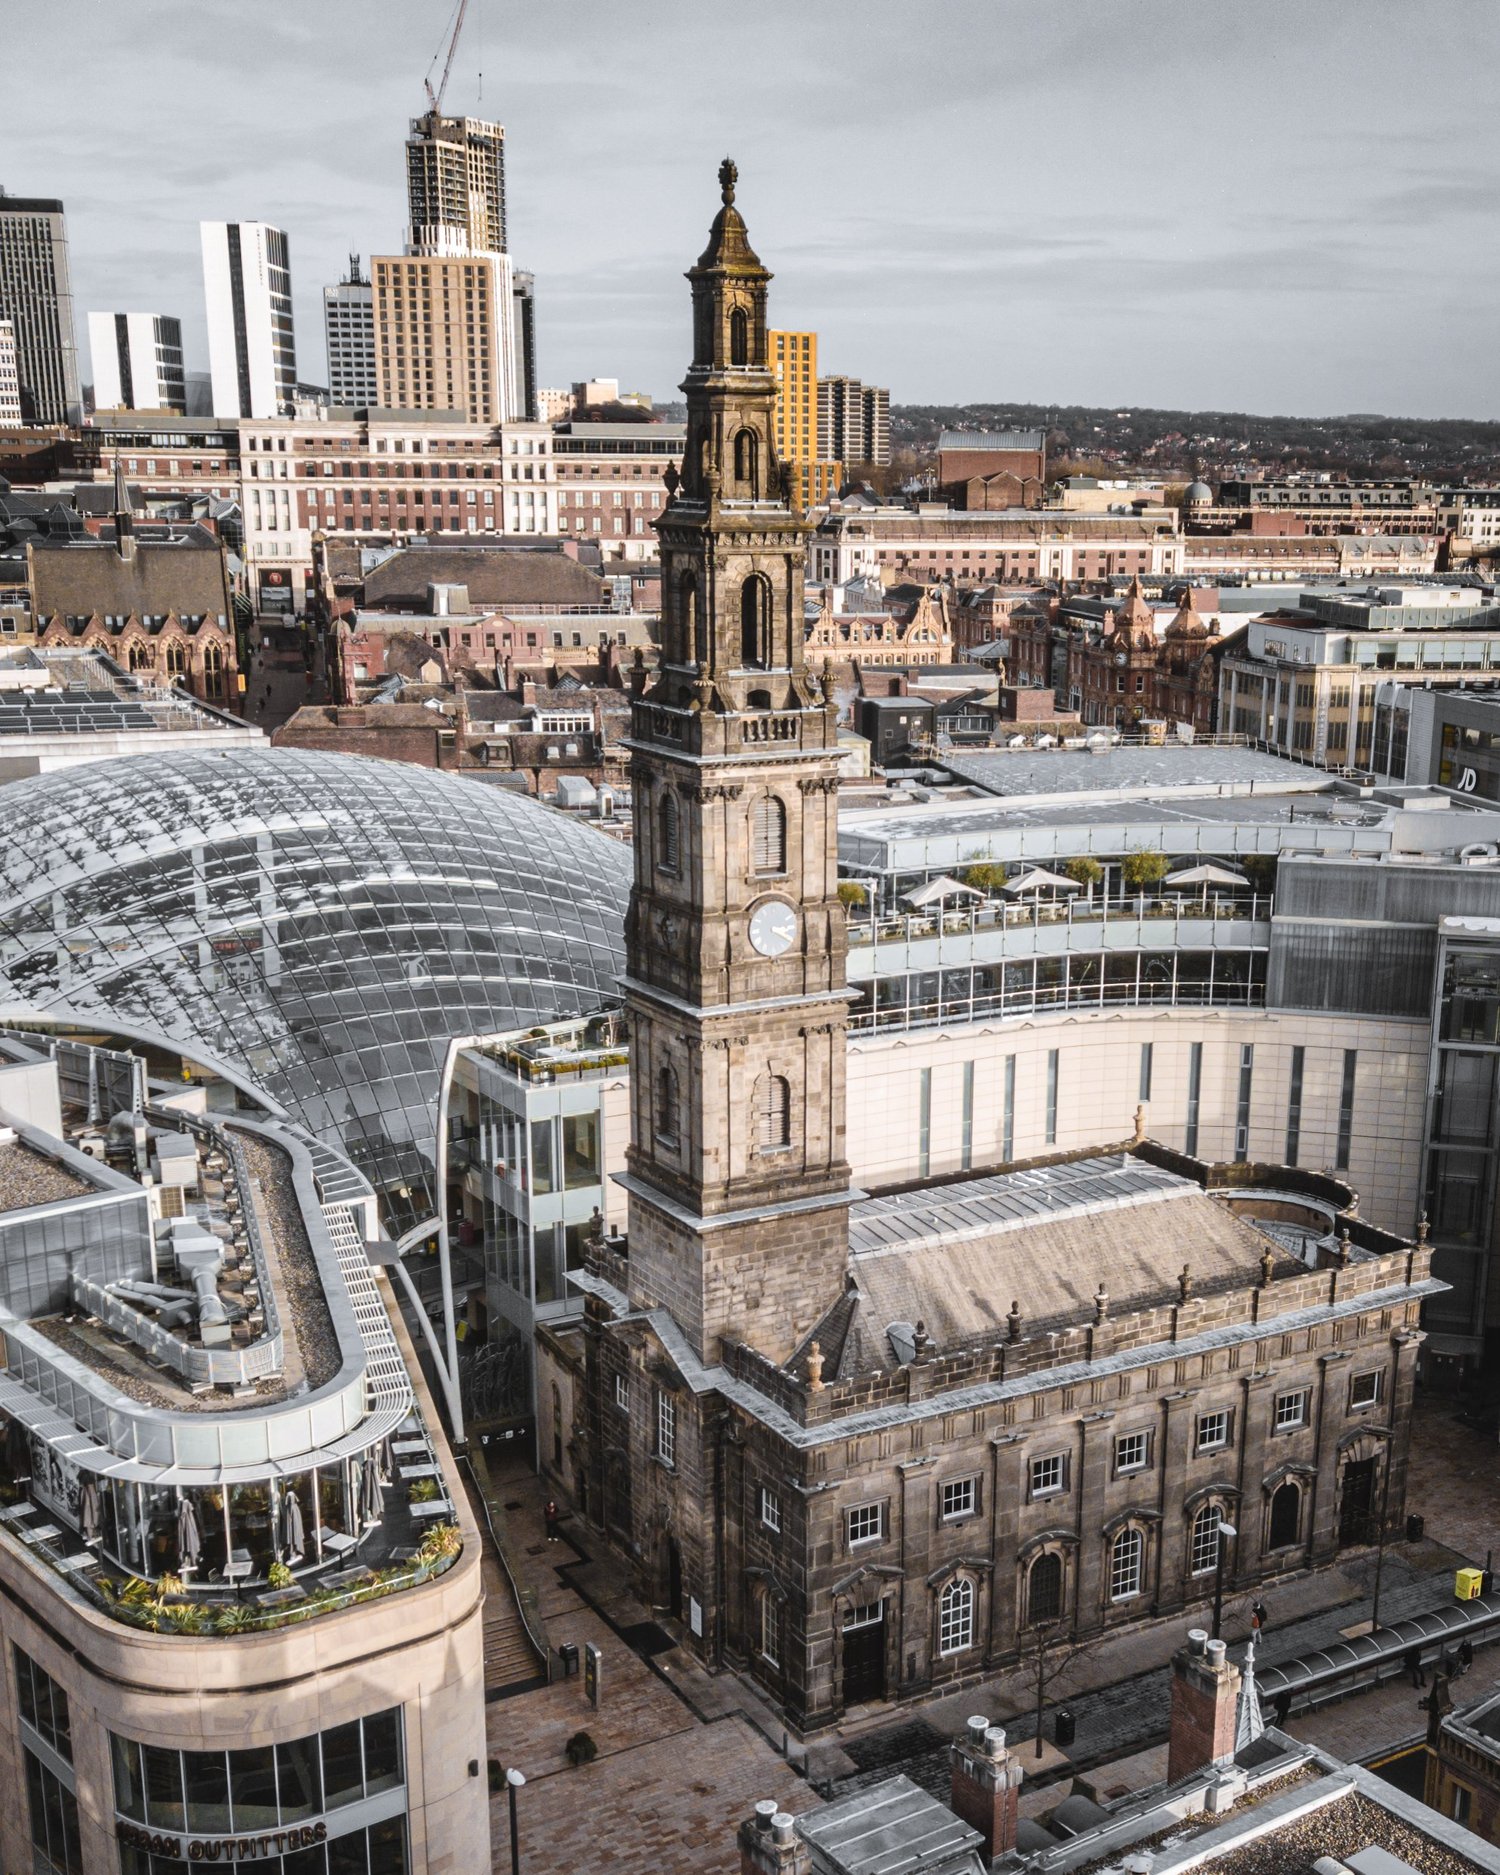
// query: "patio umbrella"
[[293, 1534], [1206, 873], [189, 1536], [90, 1520], [945, 886], [387, 1460], [1039, 879], [371, 1503]]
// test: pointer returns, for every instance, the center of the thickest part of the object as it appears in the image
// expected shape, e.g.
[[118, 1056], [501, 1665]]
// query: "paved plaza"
[[683, 1755]]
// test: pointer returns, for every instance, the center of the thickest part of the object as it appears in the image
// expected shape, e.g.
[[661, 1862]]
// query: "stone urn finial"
[[1185, 1283], [1140, 1122], [815, 1368], [1013, 1320]]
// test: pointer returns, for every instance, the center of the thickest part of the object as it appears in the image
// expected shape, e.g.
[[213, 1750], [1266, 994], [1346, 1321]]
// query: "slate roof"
[[496, 577], [82, 577], [955, 1256]]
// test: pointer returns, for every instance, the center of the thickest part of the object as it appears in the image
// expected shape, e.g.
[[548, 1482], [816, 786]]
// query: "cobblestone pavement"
[[681, 1760], [683, 1755]]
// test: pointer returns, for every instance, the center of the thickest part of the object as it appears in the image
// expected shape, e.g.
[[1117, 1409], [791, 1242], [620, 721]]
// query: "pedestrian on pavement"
[[1465, 1655], [1414, 1666], [1259, 1618], [1281, 1709], [551, 1514]]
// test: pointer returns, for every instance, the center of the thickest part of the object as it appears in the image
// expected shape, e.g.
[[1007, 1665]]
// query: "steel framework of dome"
[[324, 922]]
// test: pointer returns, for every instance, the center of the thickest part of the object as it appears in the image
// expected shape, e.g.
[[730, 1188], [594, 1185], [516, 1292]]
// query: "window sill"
[[667, 1464], [864, 1542], [1131, 1471], [958, 1516], [1119, 1601]]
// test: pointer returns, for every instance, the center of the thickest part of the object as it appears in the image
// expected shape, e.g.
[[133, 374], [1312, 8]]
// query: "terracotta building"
[[831, 1451]]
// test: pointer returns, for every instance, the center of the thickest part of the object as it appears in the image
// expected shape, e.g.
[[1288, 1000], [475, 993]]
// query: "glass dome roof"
[[324, 922]]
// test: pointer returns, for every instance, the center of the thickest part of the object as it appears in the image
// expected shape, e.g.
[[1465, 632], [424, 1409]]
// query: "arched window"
[[139, 656], [768, 835], [746, 460], [755, 622], [739, 337], [213, 667], [1125, 1559], [1286, 1515], [668, 839], [774, 1113], [956, 1616], [666, 1104], [1203, 1549], [176, 653], [1044, 1589]]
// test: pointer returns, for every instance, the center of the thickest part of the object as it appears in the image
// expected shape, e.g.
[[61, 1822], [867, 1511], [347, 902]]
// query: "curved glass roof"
[[325, 921]]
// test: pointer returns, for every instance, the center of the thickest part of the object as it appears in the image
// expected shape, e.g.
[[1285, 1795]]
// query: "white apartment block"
[[10, 383], [247, 290], [137, 361]]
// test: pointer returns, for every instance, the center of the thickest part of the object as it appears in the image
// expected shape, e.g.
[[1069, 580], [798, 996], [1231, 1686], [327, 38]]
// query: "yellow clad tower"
[[794, 364]]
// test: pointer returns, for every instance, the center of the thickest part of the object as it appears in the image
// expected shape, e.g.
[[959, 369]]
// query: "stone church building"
[[867, 1445]]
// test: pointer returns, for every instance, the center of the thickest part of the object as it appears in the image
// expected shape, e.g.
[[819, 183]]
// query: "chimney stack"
[[987, 1785], [770, 1845], [1205, 1706]]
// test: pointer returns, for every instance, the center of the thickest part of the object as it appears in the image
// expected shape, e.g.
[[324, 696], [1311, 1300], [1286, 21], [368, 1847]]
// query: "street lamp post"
[[1225, 1530], [513, 1782]]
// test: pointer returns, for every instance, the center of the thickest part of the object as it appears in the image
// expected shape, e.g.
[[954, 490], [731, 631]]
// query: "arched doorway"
[[863, 1635], [1286, 1515], [669, 1575]]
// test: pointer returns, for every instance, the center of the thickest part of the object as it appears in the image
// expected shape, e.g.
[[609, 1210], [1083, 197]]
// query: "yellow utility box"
[[1468, 1584]]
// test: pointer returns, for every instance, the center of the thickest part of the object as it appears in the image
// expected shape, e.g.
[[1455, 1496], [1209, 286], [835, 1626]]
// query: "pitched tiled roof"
[[75, 578], [495, 576]]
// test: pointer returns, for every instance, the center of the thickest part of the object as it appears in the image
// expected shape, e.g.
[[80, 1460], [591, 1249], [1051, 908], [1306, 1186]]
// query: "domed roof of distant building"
[[1198, 491], [319, 923]]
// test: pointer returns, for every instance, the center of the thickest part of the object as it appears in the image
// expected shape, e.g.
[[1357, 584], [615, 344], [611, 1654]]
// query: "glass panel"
[[163, 1787], [299, 1779], [343, 1772], [383, 1751], [541, 1157], [347, 1854], [206, 1776], [580, 1150], [130, 1794], [252, 1777]]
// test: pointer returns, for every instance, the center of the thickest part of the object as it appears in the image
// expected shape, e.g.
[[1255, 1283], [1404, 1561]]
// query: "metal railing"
[[968, 921], [1102, 995]]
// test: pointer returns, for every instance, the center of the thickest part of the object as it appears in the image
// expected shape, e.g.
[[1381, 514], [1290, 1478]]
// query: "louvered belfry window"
[[768, 835], [668, 842], [775, 1112]]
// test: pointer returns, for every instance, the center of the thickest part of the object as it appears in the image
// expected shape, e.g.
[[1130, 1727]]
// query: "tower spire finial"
[[728, 177]]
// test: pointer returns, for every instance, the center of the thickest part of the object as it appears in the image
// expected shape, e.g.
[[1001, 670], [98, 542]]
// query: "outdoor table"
[[336, 1545], [403, 1447], [14, 1512], [40, 1533], [434, 1507], [421, 1471], [282, 1598], [349, 1578]]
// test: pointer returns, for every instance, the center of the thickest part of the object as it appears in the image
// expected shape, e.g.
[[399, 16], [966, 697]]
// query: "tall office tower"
[[36, 295], [445, 311], [455, 186], [10, 382], [349, 328], [794, 362], [252, 350], [523, 354], [137, 359], [854, 421]]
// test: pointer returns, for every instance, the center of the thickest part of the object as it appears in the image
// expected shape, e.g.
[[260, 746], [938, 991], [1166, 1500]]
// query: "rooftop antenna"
[[435, 98]]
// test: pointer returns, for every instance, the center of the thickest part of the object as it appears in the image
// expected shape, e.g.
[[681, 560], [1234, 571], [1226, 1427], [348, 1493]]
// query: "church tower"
[[737, 1177]]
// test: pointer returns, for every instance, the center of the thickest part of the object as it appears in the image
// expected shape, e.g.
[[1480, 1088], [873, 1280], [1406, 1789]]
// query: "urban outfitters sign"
[[212, 1849]]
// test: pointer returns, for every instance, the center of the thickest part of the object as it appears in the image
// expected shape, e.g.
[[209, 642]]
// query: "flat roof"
[[887, 1830], [1143, 770]]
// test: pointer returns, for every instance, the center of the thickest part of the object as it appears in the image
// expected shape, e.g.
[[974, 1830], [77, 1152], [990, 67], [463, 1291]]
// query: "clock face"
[[773, 927]]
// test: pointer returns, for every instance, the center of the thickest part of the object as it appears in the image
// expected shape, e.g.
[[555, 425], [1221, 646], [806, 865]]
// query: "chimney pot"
[[1216, 1652], [782, 1827], [977, 1729], [994, 1741], [764, 1811], [1197, 1640]]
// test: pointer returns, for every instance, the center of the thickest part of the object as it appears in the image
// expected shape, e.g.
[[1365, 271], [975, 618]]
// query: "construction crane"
[[435, 98]]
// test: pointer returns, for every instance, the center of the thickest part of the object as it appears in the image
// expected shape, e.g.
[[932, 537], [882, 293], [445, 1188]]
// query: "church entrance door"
[[1357, 1503], [864, 1654]]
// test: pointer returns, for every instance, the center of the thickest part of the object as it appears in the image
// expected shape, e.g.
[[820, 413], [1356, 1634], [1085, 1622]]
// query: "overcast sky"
[[1278, 207]]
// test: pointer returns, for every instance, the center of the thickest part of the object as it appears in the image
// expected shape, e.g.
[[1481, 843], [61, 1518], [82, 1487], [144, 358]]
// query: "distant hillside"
[[1182, 443]]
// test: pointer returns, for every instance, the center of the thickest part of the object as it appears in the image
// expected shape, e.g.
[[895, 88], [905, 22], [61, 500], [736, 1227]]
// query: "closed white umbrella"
[[90, 1521], [293, 1532], [189, 1535]]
